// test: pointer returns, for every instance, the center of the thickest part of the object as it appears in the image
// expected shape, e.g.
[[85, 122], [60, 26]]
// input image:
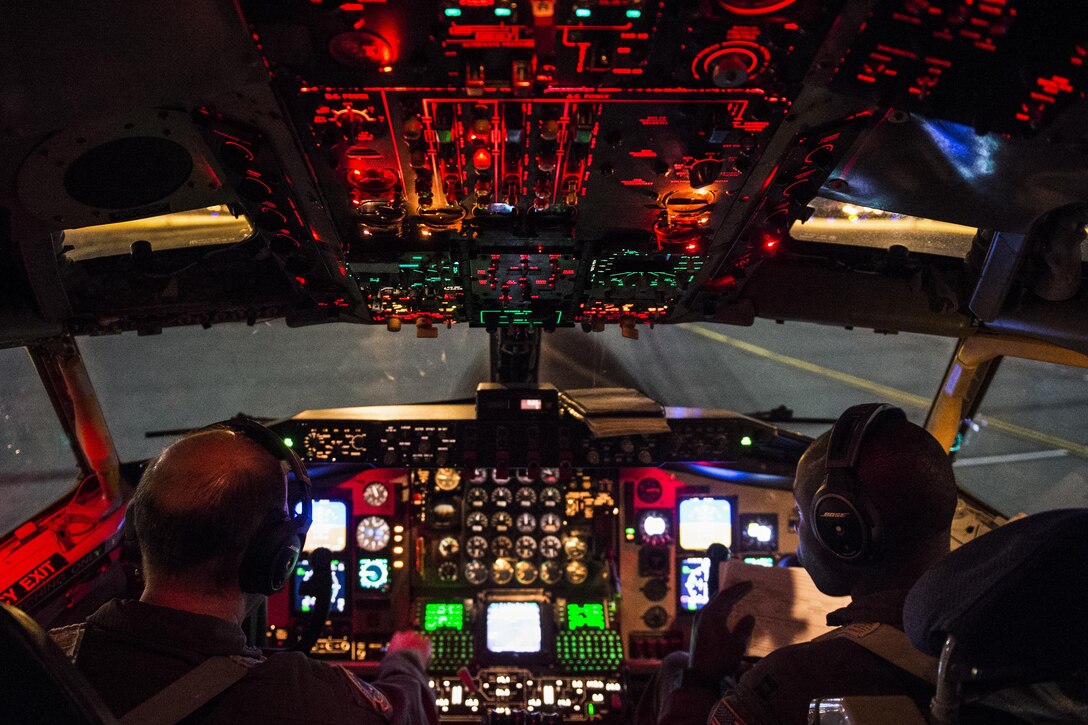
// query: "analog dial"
[[447, 479], [526, 497], [575, 548], [442, 514], [375, 494], [550, 523], [550, 547], [649, 490], [475, 572], [502, 497], [502, 571], [372, 533], [448, 547], [576, 572], [476, 546], [502, 546], [551, 496], [502, 521], [525, 547], [447, 571], [526, 522], [476, 497], [550, 572], [476, 521], [525, 572]]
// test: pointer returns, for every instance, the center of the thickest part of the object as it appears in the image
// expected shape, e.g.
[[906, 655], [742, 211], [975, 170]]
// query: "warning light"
[[634, 13], [481, 159], [746, 441], [503, 12], [582, 12], [452, 12], [770, 243], [289, 442], [691, 247]]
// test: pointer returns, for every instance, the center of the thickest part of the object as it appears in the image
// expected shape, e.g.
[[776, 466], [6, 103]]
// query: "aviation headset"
[[842, 517], [275, 547]]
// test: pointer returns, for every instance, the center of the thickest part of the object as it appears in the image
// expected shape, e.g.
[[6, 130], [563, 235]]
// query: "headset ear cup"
[[840, 526]]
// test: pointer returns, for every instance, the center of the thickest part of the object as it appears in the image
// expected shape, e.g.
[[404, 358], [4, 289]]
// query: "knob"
[[729, 71], [655, 617]]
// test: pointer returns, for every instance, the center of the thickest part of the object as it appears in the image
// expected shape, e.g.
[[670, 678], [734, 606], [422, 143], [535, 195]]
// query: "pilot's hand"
[[413, 641], [715, 650]]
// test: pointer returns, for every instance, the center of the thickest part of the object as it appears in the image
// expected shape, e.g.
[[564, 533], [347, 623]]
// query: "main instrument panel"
[[549, 558]]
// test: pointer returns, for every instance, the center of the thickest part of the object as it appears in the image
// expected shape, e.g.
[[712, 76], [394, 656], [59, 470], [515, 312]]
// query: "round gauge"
[[448, 547], [476, 546], [526, 497], [476, 497], [372, 533], [550, 572], [502, 546], [447, 571], [525, 572], [497, 478], [447, 479], [576, 548], [549, 474], [754, 7], [576, 572], [525, 547], [442, 515], [502, 521], [502, 571], [502, 497], [550, 547], [551, 496], [375, 494], [649, 490], [476, 521], [654, 526], [475, 572], [526, 522], [550, 523]]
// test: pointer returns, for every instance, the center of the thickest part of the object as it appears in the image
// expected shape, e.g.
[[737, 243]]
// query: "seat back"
[[47, 687], [1015, 600]]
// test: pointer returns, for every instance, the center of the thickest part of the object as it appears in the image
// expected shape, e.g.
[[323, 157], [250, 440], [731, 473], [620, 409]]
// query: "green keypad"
[[589, 650], [450, 650]]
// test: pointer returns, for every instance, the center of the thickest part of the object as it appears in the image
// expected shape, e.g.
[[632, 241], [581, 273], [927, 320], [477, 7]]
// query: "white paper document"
[[787, 606]]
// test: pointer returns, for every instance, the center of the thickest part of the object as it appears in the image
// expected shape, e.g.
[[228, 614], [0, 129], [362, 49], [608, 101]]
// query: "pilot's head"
[[198, 506], [907, 480]]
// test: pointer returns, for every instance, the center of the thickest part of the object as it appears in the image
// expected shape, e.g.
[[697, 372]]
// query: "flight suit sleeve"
[[687, 706], [402, 680]]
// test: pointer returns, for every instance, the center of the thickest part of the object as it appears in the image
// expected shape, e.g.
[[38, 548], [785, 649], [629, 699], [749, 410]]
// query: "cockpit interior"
[[525, 177]]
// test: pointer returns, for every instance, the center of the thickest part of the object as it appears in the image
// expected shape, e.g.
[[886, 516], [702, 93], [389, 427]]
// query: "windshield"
[[188, 377], [1028, 448], [37, 465]]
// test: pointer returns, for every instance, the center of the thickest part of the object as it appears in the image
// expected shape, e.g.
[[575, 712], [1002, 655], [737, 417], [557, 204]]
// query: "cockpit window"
[[189, 377], [836, 222], [207, 226], [37, 465], [1027, 450]]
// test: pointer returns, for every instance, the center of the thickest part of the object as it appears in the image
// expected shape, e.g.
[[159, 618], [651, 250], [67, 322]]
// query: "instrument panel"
[[545, 583]]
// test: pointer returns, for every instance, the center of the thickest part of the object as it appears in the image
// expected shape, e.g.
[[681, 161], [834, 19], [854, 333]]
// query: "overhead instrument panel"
[[534, 164]]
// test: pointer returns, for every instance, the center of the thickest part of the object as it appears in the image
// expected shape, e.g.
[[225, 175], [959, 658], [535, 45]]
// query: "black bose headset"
[[842, 518], [275, 547]]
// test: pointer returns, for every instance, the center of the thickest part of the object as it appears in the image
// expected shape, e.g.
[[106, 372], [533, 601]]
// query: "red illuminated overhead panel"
[[755, 7]]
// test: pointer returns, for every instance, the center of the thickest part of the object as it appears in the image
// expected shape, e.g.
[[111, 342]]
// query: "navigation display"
[[694, 583], [374, 574], [513, 627], [330, 526], [303, 573], [443, 615], [705, 521]]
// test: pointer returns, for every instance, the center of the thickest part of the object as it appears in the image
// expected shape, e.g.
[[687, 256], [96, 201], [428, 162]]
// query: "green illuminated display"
[[759, 560], [443, 615], [585, 615]]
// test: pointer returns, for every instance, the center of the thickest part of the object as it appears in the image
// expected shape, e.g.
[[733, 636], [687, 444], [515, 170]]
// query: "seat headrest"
[[1016, 599]]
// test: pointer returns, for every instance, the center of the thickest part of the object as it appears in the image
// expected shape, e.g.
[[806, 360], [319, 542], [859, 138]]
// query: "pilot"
[[197, 510], [906, 481]]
